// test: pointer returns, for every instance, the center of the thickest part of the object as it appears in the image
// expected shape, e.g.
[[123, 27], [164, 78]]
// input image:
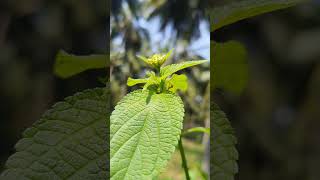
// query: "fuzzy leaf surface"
[[224, 155], [145, 128], [70, 141]]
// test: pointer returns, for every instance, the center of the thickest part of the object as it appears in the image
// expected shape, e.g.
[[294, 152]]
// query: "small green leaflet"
[[173, 68], [197, 130], [70, 141], [67, 65], [178, 82], [145, 128], [223, 156], [132, 82], [151, 80], [238, 10], [173, 83]]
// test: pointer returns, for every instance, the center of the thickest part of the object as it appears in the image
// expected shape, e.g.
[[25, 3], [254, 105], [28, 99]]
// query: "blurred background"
[[145, 27], [276, 118], [31, 33]]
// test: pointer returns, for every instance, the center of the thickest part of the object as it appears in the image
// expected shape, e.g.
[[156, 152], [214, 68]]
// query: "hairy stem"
[[184, 160]]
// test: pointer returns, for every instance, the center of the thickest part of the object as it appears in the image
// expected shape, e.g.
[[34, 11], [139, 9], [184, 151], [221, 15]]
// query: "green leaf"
[[151, 80], [172, 68], [67, 65], [224, 156], [239, 10], [145, 128], [132, 82], [70, 141], [229, 68], [168, 55], [197, 130], [144, 59], [178, 82]]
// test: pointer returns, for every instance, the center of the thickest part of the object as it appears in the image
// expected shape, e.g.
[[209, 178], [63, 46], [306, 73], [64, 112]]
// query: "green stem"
[[158, 70], [184, 160]]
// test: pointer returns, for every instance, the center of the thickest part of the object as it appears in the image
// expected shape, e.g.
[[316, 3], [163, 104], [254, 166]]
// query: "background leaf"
[[229, 69], [70, 141], [68, 65], [239, 10], [224, 156], [145, 129]]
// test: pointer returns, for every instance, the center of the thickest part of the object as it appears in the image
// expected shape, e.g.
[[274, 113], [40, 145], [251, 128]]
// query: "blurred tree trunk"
[[4, 23]]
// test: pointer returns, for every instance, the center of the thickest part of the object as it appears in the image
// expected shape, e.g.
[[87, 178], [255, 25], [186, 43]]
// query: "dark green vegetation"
[[68, 142], [71, 140], [230, 72], [31, 33]]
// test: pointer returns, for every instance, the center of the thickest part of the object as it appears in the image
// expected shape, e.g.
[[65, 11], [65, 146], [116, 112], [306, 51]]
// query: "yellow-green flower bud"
[[156, 60]]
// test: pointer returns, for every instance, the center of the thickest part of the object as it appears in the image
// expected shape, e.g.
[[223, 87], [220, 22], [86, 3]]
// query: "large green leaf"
[[173, 68], [67, 65], [238, 10], [145, 129], [224, 156], [70, 141], [229, 68]]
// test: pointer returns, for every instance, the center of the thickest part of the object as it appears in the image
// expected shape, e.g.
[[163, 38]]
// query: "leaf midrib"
[[140, 134], [138, 113], [136, 144]]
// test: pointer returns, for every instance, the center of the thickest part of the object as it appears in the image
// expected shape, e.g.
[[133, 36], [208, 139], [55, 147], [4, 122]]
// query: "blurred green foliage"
[[275, 118], [229, 66], [31, 34], [67, 65]]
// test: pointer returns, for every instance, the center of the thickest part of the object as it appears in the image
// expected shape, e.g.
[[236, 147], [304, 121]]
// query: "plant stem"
[[158, 70], [184, 160]]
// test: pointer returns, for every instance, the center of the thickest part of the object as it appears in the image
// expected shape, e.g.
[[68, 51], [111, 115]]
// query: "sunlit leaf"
[[132, 82], [173, 68], [178, 82], [145, 128], [197, 130]]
